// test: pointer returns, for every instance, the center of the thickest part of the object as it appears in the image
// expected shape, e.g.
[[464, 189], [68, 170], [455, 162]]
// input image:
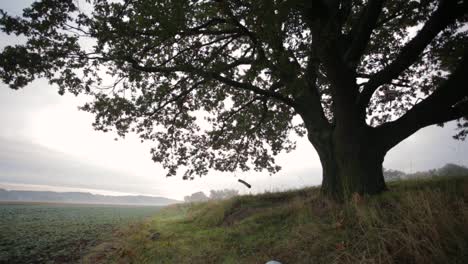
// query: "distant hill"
[[81, 197], [447, 170]]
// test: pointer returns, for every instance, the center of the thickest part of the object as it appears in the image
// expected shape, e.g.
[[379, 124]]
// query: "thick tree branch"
[[326, 51], [345, 11], [309, 101], [313, 9], [362, 31], [447, 12], [325, 27], [447, 103], [343, 85]]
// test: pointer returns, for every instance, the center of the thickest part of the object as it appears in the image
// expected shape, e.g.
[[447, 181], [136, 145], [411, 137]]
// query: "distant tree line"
[[447, 170], [214, 195], [389, 175]]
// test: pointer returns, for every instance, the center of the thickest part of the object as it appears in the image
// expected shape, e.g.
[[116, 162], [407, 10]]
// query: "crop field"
[[60, 233]]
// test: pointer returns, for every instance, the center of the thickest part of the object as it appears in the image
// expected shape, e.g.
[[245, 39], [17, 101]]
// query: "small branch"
[[176, 98], [245, 183], [230, 115]]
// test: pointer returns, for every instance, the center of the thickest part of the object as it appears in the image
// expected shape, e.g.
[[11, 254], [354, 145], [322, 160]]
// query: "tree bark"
[[351, 162]]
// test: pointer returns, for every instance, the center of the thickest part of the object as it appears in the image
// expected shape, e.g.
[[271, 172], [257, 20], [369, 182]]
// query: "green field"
[[60, 233]]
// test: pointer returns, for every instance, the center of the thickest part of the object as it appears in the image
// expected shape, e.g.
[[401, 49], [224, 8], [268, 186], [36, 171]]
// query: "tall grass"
[[424, 221]]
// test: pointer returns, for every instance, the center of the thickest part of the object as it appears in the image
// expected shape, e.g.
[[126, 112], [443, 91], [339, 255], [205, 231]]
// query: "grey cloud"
[[24, 162]]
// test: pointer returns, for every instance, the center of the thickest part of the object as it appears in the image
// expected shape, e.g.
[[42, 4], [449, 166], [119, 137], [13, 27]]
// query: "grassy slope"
[[424, 221]]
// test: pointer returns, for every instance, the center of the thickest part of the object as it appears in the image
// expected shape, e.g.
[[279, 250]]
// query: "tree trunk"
[[351, 163]]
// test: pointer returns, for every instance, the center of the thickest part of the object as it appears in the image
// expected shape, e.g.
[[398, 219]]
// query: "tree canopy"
[[219, 84]]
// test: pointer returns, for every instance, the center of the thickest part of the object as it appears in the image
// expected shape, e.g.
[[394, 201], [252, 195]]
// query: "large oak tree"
[[217, 84]]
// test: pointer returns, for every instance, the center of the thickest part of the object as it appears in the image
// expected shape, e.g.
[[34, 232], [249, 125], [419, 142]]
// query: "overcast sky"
[[46, 143]]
